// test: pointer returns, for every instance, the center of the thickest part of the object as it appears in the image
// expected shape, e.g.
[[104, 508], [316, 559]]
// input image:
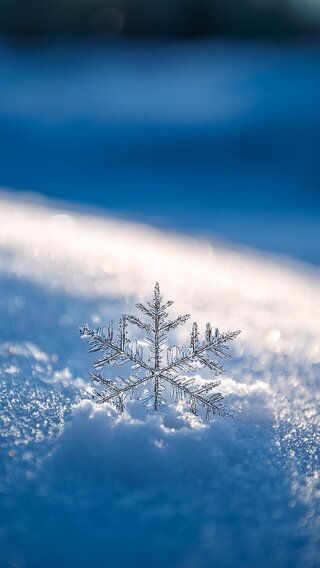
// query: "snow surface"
[[81, 487]]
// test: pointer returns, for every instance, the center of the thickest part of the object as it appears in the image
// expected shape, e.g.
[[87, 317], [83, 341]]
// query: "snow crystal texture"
[[83, 487]]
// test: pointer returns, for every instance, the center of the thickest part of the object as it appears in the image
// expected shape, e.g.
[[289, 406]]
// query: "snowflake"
[[164, 365]]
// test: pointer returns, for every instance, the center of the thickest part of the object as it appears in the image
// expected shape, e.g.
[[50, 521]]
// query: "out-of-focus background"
[[178, 141], [193, 115]]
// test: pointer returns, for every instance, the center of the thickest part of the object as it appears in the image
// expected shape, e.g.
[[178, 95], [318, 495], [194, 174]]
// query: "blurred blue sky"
[[200, 136]]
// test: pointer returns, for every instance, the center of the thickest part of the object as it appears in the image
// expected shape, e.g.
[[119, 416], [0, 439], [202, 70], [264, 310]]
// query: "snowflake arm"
[[173, 324], [199, 352], [186, 389], [114, 392], [139, 323], [116, 353]]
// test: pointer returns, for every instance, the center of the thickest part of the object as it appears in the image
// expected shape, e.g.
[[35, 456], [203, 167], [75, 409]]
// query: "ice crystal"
[[164, 366]]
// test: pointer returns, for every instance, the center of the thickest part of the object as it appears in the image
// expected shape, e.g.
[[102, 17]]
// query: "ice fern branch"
[[164, 367]]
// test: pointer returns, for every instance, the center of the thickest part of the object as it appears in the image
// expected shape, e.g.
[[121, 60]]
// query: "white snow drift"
[[171, 489]]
